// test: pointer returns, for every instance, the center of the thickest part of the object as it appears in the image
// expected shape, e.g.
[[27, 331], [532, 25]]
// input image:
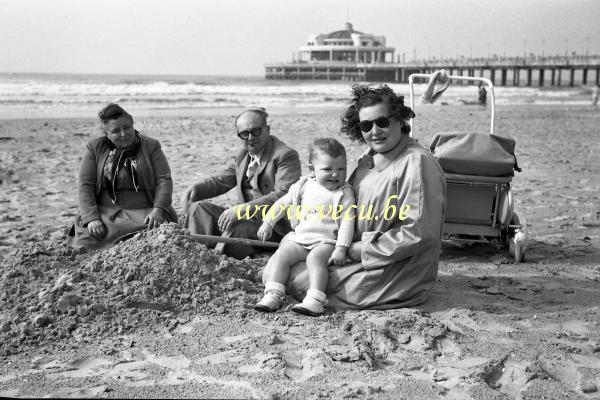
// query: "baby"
[[323, 209]]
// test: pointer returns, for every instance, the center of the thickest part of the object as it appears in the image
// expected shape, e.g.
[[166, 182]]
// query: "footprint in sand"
[[77, 393], [509, 376], [580, 373], [302, 365], [297, 365]]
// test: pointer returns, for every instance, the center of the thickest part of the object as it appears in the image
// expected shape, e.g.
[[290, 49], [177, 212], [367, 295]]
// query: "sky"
[[235, 37]]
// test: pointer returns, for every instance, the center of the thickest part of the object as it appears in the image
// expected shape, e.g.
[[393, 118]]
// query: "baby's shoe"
[[271, 301], [312, 305]]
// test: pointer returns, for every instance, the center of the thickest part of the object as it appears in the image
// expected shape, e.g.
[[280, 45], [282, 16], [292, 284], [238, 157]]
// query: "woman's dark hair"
[[328, 146], [366, 96], [113, 111]]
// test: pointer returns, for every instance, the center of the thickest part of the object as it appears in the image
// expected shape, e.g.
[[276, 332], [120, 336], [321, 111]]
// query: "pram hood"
[[470, 153]]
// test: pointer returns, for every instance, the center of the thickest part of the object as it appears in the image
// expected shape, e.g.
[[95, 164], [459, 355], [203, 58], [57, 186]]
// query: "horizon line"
[[126, 73]]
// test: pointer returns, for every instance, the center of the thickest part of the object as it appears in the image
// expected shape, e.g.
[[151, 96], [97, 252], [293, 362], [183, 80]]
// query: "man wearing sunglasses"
[[263, 170]]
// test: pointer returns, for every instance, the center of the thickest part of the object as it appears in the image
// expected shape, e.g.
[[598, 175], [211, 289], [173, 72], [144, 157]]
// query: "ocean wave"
[[83, 92]]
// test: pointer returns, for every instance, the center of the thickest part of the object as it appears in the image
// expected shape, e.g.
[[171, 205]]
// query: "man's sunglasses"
[[246, 134], [382, 122]]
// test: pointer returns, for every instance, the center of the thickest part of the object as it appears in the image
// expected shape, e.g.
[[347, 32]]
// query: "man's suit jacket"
[[279, 169]]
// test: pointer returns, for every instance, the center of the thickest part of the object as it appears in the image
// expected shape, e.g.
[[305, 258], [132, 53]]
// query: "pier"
[[567, 71], [350, 55]]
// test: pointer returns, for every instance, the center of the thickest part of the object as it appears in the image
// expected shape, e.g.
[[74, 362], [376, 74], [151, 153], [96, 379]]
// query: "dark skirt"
[[120, 219]]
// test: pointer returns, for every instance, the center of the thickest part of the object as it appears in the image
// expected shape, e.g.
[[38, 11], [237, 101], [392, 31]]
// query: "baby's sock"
[[271, 301], [317, 295], [313, 304]]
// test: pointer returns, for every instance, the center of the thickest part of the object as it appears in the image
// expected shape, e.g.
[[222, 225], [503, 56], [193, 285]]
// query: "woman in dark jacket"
[[124, 184]]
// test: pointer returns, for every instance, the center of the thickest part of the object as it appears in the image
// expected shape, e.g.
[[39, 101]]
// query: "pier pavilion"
[[346, 45]]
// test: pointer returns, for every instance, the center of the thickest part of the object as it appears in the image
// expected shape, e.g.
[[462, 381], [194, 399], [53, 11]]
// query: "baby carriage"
[[479, 169]]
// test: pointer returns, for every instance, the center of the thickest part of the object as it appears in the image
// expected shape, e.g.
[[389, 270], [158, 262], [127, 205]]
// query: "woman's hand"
[[354, 251], [155, 218], [264, 232], [96, 229]]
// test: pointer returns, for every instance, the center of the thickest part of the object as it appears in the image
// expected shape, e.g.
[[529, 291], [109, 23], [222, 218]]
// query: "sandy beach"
[[160, 315]]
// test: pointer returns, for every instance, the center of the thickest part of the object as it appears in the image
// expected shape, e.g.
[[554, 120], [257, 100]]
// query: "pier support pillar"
[[597, 76], [493, 75], [585, 73], [553, 77], [529, 76], [572, 78], [516, 73], [559, 77], [541, 80], [503, 82]]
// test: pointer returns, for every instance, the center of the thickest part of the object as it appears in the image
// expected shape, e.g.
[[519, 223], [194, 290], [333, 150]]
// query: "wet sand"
[[492, 328]]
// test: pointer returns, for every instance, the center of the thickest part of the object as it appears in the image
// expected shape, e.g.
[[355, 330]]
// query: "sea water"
[[28, 95]]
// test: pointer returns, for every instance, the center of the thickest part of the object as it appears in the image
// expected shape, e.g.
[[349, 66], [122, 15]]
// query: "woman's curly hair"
[[366, 96]]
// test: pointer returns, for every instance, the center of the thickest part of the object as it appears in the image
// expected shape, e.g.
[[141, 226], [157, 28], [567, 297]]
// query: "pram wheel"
[[517, 239]]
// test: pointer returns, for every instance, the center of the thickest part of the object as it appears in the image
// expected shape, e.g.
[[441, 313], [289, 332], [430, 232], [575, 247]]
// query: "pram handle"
[[459, 78]]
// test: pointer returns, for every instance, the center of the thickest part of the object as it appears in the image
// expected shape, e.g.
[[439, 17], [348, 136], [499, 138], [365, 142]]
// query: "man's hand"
[[338, 257], [96, 229], [190, 195], [155, 218], [354, 251], [264, 232], [227, 219]]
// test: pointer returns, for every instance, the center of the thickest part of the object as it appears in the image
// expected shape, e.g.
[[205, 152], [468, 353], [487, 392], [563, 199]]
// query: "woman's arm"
[[422, 187], [163, 180], [88, 205]]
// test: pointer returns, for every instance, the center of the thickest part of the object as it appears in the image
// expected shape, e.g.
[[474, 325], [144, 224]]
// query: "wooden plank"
[[232, 240]]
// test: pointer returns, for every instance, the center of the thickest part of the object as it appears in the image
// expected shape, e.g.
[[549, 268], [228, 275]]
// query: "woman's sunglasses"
[[382, 122], [246, 134]]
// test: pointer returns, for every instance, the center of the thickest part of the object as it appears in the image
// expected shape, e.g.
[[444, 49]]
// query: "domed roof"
[[343, 34]]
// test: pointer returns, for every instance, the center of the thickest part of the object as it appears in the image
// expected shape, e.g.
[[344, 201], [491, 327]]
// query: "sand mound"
[[154, 280]]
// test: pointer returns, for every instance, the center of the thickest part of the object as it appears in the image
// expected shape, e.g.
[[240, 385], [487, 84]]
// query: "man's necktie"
[[252, 167]]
